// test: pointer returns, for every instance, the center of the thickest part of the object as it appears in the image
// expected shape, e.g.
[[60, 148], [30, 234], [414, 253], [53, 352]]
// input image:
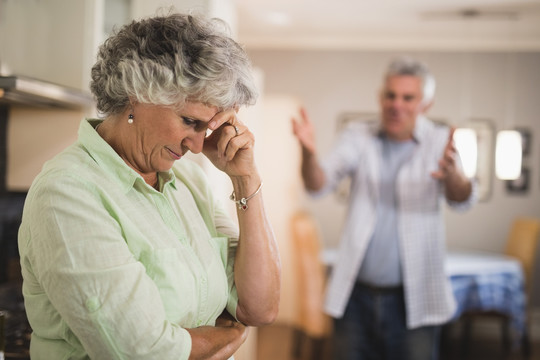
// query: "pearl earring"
[[130, 119]]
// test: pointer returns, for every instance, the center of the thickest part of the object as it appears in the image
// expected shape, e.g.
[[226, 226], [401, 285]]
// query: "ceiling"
[[482, 25]]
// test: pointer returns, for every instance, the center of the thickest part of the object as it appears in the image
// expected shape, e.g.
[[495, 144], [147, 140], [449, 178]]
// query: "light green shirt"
[[114, 269]]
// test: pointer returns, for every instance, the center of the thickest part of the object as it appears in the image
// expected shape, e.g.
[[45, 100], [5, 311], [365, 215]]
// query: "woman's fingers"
[[227, 134], [234, 138], [222, 117], [229, 146]]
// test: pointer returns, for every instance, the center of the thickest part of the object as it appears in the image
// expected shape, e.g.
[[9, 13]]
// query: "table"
[[481, 281], [488, 282]]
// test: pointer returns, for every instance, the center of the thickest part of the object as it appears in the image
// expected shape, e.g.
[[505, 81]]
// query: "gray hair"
[[167, 60], [409, 66]]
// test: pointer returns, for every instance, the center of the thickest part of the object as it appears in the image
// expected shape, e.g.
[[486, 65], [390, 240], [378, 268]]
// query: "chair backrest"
[[311, 276], [522, 244]]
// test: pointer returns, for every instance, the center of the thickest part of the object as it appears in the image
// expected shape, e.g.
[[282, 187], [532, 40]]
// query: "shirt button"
[[93, 304]]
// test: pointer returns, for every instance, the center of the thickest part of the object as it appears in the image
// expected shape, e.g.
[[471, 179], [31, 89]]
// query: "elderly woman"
[[125, 251]]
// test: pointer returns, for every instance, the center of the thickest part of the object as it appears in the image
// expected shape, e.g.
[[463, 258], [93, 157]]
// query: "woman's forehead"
[[198, 110]]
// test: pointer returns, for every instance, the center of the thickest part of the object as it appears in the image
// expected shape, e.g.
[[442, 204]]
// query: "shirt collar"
[[110, 161]]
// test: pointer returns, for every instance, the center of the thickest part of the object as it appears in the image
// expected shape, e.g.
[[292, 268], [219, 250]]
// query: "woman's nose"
[[197, 141]]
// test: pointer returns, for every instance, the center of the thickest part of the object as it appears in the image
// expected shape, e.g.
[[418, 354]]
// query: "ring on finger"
[[237, 130]]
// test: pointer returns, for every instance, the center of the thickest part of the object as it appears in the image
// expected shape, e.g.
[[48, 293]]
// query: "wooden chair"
[[522, 243], [313, 326]]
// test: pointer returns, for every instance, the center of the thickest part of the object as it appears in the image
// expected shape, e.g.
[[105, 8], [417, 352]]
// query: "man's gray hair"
[[167, 60], [408, 66]]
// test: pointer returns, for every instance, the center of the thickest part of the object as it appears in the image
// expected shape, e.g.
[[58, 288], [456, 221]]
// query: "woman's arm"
[[257, 267]]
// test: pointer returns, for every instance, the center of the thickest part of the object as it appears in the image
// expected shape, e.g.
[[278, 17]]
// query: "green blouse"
[[114, 269]]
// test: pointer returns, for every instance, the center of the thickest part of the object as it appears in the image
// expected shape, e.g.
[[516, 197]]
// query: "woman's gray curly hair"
[[167, 60]]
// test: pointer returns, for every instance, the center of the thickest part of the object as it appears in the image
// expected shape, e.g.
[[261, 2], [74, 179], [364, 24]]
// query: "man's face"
[[401, 102]]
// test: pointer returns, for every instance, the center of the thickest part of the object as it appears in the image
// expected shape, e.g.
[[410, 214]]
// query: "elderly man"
[[388, 292]]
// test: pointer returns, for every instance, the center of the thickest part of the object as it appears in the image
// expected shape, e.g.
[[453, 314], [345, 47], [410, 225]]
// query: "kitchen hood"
[[29, 92]]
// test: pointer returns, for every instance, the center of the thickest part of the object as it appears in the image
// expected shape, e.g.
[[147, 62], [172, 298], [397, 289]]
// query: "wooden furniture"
[[312, 325], [522, 245]]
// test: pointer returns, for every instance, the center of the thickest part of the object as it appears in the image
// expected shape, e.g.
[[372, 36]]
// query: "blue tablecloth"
[[488, 282], [482, 281]]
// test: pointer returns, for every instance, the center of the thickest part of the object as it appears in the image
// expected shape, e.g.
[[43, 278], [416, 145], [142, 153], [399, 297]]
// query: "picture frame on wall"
[[526, 139], [521, 184]]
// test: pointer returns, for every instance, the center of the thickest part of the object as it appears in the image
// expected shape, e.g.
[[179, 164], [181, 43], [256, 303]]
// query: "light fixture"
[[466, 144], [508, 155]]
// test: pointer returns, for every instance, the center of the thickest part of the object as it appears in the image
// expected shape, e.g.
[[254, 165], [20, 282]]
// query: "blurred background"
[[325, 56]]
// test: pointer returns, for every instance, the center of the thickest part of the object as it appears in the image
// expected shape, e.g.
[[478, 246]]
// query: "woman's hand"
[[230, 146], [218, 342]]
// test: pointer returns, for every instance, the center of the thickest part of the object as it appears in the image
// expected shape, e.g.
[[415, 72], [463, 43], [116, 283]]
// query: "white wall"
[[282, 189], [223, 9]]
